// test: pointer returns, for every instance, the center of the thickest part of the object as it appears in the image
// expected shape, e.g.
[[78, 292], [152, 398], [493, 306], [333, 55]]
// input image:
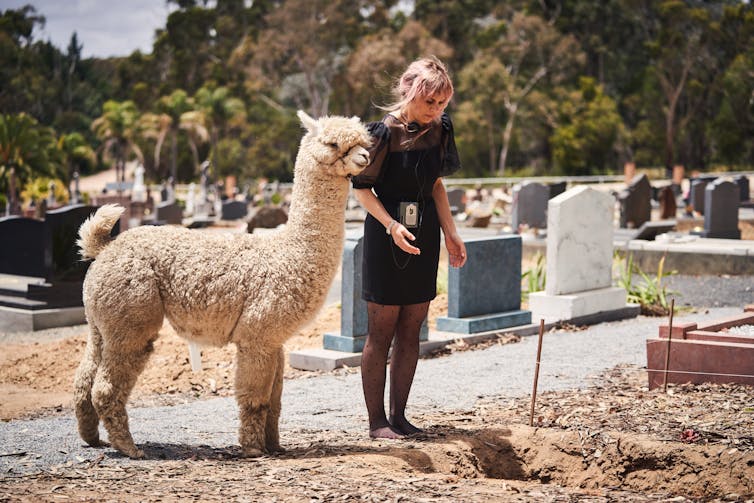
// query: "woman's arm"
[[453, 242], [398, 232]]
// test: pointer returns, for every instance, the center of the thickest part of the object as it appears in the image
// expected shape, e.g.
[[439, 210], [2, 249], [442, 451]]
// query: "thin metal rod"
[[667, 353], [536, 371]]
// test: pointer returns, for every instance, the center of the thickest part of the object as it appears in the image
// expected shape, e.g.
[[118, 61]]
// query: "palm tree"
[[116, 127], [26, 149], [173, 107], [219, 109], [76, 153]]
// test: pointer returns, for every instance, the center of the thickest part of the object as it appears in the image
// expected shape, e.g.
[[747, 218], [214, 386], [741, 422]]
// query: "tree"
[[219, 109], [117, 129], [76, 155], [27, 149], [172, 107], [530, 52], [588, 128]]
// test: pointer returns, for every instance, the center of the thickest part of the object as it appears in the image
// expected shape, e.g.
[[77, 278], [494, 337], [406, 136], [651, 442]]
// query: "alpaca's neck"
[[315, 228]]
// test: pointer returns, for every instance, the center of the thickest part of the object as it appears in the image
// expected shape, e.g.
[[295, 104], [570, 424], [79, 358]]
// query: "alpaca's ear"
[[308, 122]]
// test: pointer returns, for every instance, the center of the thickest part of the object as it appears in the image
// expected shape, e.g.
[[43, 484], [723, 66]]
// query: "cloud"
[[104, 27]]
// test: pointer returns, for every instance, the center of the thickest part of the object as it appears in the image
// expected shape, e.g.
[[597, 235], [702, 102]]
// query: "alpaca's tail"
[[86, 415], [94, 234]]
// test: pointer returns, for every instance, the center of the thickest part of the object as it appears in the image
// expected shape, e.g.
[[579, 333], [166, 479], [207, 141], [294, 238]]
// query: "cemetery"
[[484, 308], [181, 320]]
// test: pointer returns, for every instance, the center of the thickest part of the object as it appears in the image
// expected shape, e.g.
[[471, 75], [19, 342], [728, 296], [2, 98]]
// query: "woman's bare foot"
[[387, 432], [402, 425]]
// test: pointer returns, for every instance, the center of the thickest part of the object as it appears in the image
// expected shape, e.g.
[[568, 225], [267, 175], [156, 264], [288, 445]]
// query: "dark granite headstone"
[[530, 205], [557, 188], [267, 217], [169, 212], [233, 210], [62, 226], [668, 204], [743, 184], [721, 215], [635, 202], [485, 294], [457, 200], [24, 245]]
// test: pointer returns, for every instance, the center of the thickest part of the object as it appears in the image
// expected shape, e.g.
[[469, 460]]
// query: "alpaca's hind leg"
[[271, 432], [123, 359], [88, 420], [255, 375]]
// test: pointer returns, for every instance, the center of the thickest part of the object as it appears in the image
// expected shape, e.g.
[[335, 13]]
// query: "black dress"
[[404, 166]]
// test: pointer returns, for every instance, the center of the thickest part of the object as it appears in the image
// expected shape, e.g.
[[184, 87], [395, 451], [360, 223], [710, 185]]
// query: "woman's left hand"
[[456, 250]]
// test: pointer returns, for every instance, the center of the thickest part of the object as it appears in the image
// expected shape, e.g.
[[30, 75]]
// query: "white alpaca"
[[252, 290]]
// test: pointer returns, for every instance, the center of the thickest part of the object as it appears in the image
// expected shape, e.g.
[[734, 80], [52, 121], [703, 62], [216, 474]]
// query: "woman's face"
[[426, 109]]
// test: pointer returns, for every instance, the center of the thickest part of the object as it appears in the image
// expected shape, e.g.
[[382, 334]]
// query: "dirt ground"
[[615, 441]]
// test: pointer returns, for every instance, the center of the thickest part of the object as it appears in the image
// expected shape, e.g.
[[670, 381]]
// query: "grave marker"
[[530, 205], [721, 205], [635, 202]]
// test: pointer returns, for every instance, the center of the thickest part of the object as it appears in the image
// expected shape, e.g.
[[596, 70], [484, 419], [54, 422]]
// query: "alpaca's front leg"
[[272, 435], [255, 377]]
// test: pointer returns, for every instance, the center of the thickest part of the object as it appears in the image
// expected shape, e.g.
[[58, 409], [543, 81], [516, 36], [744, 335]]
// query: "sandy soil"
[[616, 441]]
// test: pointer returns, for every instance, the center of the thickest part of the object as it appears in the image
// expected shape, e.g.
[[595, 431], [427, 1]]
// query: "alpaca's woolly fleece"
[[252, 290]]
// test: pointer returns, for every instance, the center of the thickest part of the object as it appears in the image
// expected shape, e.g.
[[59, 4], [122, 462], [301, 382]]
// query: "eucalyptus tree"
[[117, 128], [524, 52]]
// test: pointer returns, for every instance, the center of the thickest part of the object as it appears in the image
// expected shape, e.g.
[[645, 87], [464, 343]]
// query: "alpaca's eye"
[[333, 145]]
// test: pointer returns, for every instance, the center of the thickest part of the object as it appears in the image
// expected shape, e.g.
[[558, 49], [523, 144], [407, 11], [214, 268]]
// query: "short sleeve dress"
[[404, 165]]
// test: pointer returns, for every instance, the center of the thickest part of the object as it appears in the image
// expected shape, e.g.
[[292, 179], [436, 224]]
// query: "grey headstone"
[[530, 205], [233, 210], [169, 212], [485, 294], [635, 202], [721, 215], [557, 188], [456, 198], [743, 184], [62, 226], [696, 192]]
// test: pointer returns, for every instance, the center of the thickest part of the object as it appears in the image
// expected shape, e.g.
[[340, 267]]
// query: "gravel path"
[[334, 401]]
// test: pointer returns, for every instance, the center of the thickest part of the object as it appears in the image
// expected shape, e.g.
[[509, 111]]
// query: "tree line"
[[542, 86]]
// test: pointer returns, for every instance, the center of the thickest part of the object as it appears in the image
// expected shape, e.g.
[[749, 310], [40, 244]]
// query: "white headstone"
[[579, 241], [139, 190], [190, 198], [579, 258]]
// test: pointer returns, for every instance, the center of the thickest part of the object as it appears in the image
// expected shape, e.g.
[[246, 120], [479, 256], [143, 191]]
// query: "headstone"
[[62, 226], [354, 323], [24, 247], [75, 193], [696, 195], [635, 202], [169, 212], [267, 217], [485, 294], [668, 205], [191, 198], [233, 210], [721, 210], [743, 184], [457, 200], [139, 190], [579, 259], [530, 205], [557, 188], [679, 173]]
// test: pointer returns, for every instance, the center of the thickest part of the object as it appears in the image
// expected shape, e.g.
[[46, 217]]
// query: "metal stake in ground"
[[667, 353], [536, 371]]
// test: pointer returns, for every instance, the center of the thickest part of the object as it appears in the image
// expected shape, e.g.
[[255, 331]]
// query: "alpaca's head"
[[338, 144]]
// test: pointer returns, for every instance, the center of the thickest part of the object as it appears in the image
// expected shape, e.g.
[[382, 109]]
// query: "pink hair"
[[424, 77]]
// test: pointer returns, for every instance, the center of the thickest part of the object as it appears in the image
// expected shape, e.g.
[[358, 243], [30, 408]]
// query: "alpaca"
[[252, 290]]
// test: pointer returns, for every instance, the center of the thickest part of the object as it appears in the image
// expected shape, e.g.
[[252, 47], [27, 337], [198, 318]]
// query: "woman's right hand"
[[401, 237]]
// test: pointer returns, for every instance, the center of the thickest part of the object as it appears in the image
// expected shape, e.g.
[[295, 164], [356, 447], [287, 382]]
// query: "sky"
[[104, 27]]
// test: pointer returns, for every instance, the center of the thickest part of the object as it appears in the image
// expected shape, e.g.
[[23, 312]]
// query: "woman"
[[403, 193]]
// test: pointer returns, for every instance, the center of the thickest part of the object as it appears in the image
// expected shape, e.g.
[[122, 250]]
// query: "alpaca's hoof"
[[131, 451], [275, 449], [251, 452]]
